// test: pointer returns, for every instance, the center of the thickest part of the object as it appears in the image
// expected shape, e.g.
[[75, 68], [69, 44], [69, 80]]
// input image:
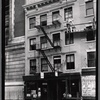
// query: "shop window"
[[56, 39], [68, 13], [32, 66], [89, 7], [32, 22], [73, 88], [43, 20], [69, 38], [44, 65], [33, 44], [91, 56], [70, 61], [55, 15], [90, 35], [57, 62], [43, 41]]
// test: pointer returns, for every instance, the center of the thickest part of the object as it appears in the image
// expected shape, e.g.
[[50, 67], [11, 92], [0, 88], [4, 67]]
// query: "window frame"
[[43, 43], [45, 21], [32, 23], [31, 46], [91, 59], [70, 38], [68, 64], [92, 8], [66, 11], [33, 66], [42, 65], [56, 42]]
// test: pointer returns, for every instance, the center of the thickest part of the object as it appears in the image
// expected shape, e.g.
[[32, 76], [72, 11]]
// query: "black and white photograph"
[[50, 49]]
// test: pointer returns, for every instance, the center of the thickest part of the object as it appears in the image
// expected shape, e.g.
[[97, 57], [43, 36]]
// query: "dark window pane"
[[43, 20], [32, 22], [44, 65], [32, 66], [33, 44], [90, 35]]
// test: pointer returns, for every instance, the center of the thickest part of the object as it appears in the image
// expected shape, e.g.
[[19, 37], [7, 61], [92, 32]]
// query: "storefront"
[[88, 84], [51, 87]]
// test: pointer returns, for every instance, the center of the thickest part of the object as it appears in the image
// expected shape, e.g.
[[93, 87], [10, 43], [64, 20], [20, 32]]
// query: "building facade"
[[60, 49], [14, 49]]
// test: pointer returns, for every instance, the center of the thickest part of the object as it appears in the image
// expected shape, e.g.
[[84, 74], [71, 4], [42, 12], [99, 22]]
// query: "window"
[[43, 20], [43, 41], [69, 38], [32, 66], [89, 7], [68, 13], [33, 44], [32, 22], [44, 65], [90, 35], [73, 88], [55, 15], [57, 62], [70, 61], [91, 56], [56, 39]]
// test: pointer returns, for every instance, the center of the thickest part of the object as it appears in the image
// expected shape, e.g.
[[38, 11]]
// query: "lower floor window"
[[32, 66], [44, 65], [70, 61]]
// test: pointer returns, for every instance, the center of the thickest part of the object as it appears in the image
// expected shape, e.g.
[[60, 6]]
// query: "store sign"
[[88, 86]]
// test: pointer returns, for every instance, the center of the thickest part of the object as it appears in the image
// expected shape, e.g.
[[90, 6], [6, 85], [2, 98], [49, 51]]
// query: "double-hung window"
[[33, 44], [57, 62], [89, 7], [43, 20], [69, 38], [68, 13], [55, 16], [90, 34], [91, 59], [32, 66], [70, 61], [32, 22], [43, 41], [56, 39], [44, 65]]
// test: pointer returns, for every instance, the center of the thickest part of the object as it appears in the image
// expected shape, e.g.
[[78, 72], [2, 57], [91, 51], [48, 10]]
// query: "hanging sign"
[[88, 86]]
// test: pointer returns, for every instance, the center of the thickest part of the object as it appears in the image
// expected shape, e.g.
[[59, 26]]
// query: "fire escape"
[[41, 27]]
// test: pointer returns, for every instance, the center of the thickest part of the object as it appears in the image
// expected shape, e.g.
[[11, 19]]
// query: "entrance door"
[[44, 91]]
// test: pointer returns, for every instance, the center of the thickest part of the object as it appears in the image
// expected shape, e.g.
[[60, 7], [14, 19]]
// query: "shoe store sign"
[[88, 86]]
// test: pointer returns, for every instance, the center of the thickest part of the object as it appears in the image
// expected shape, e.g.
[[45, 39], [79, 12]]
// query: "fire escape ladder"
[[46, 36], [44, 55]]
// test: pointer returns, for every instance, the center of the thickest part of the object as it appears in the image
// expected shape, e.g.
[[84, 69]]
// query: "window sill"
[[90, 41], [89, 15], [69, 45]]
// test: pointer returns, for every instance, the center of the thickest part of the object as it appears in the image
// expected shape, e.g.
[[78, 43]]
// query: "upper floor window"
[[43, 20], [33, 44], [70, 61], [69, 38], [90, 34], [32, 66], [55, 15], [44, 65], [56, 39], [68, 13], [57, 62], [91, 59], [89, 7], [32, 22], [43, 42]]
